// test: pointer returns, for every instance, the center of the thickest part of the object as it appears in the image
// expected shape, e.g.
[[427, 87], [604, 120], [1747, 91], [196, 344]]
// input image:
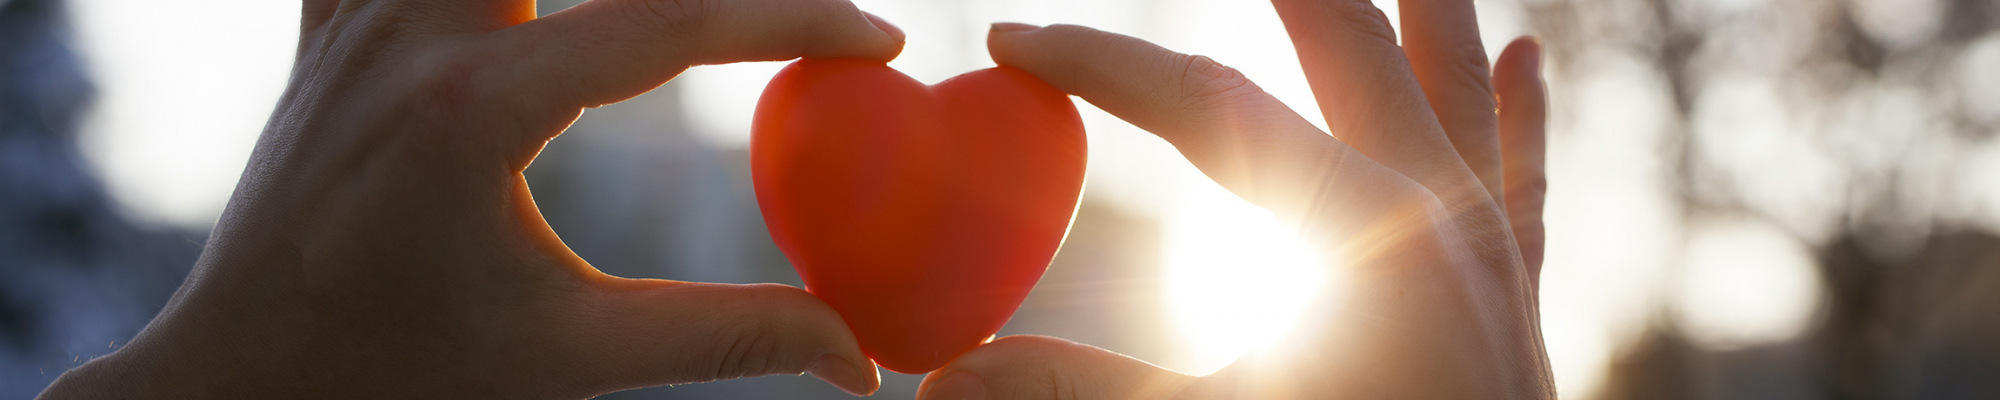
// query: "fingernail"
[[842, 374], [1013, 27], [960, 385], [886, 27]]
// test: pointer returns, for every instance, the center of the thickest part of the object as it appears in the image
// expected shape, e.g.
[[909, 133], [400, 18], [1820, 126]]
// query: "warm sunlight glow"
[[1235, 279]]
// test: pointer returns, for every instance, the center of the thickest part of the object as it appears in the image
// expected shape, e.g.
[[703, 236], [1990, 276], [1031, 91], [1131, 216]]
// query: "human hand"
[[382, 242], [1429, 191]]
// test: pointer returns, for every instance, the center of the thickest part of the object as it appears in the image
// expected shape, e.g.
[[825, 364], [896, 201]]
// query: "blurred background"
[[1769, 199]]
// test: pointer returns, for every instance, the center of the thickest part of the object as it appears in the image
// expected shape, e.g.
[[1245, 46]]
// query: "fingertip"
[[796, 333], [897, 37], [797, 312], [1531, 52], [895, 33], [1001, 39], [1521, 59], [856, 378]]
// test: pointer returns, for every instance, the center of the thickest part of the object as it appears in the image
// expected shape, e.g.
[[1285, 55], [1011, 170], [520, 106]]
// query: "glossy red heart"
[[923, 214]]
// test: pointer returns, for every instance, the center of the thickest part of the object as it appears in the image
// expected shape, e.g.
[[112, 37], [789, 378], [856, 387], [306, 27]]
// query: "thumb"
[[653, 332], [1041, 367]]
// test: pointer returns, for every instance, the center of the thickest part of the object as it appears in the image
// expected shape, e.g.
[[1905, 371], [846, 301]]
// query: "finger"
[[1041, 367], [1441, 38], [605, 51], [1371, 100], [314, 13], [1240, 136], [651, 332], [1523, 144]]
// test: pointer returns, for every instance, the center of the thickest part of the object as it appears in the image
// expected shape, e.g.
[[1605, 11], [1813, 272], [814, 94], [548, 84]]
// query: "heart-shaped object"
[[923, 214]]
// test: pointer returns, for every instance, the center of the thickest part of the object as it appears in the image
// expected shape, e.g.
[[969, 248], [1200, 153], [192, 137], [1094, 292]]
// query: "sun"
[[1234, 279]]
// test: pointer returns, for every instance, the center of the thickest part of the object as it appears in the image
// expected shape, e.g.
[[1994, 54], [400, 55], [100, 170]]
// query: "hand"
[[1432, 201], [382, 241]]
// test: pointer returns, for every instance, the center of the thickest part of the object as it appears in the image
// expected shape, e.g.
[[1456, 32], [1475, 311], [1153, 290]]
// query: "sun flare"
[[1235, 279]]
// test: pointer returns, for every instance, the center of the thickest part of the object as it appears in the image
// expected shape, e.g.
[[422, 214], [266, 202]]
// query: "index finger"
[[605, 51], [1238, 135]]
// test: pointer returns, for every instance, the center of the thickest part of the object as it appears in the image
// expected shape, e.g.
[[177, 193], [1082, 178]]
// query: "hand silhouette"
[[1429, 187], [383, 244]]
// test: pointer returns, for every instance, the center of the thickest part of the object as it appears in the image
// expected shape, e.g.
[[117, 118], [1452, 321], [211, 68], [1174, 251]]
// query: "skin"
[[1429, 189], [382, 242]]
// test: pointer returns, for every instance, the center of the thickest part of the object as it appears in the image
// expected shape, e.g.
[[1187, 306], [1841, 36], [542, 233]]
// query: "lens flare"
[[1235, 279]]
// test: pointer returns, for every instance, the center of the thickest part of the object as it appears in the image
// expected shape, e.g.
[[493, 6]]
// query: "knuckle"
[[1061, 384], [452, 78], [751, 353], [1480, 230], [683, 16], [1362, 17], [1467, 66], [755, 339], [446, 94], [1425, 204], [752, 345], [1401, 209], [1206, 84]]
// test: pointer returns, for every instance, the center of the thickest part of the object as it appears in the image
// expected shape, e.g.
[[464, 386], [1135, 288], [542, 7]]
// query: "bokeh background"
[[1768, 199]]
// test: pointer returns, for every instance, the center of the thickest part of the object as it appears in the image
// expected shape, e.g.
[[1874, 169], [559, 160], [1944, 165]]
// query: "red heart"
[[923, 214]]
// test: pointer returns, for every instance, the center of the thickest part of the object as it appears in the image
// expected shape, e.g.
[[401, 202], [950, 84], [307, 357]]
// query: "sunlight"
[[1235, 279]]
